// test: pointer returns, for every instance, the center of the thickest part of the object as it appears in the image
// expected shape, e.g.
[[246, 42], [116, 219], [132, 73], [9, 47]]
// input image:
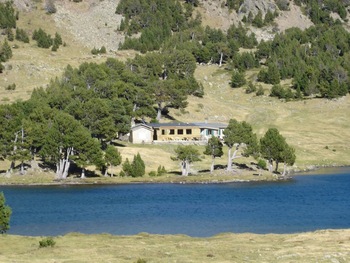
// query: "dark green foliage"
[[21, 35], [186, 155], [214, 150], [241, 36], [161, 170], [134, 169], [5, 214], [11, 87], [260, 91], [10, 35], [274, 148], [258, 20], [261, 164], [237, 79], [5, 52], [7, 15], [96, 51], [251, 88], [43, 39], [58, 39], [281, 92], [234, 4], [141, 260], [1, 68], [316, 59], [155, 20], [47, 242]]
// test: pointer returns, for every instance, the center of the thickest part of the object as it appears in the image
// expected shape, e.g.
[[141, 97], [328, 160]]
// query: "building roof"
[[194, 124], [139, 125]]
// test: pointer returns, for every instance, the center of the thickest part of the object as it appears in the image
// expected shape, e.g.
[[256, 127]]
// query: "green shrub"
[[141, 260], [161, 170], [260, 91], [96, 51], [43, 39], [11, 87], [251, 88], [21, 35], [152, 174], [47, 242], [261, 164]]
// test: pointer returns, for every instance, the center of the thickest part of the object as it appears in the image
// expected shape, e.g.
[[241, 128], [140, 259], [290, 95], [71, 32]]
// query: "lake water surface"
[[304, 204]]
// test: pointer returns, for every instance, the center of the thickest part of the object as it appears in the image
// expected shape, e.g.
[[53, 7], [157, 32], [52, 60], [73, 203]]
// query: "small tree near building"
[[186, 155], [214, 149], [112, 158], [5, 215]]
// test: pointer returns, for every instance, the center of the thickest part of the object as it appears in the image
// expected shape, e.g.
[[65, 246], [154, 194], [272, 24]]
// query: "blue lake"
[[305, 203]]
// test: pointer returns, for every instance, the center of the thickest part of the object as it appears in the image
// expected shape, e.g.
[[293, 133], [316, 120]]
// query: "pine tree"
[[5, 215]]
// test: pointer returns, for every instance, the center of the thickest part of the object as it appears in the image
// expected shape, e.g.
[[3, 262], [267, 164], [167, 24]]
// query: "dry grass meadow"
[[318, 129], [319, 246]]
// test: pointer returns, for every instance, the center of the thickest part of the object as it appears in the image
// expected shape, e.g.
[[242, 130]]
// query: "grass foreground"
[[319, 246]]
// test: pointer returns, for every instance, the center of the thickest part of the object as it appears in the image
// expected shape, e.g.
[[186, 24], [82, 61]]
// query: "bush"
[[96, 51], [47, 242], [261, 164], [237, 79], [11, 87], [5, 214], [43, 39], [5, 52], [260, 91], [161, 170], [251, 88], [152, 174], [21, 35], [136, 168]]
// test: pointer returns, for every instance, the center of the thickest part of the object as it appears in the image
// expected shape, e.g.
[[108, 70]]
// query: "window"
[[172, 131], [163, 132], [188, 131], [180, 131]]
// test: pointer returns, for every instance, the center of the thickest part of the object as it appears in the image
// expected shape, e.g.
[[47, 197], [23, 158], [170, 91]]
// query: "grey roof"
[[194, 124]]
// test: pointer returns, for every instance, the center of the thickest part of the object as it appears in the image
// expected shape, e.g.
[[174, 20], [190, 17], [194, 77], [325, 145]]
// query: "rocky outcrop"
[[254, 6]]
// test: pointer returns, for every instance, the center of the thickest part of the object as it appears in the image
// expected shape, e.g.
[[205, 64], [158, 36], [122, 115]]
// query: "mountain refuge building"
[[175, 132]]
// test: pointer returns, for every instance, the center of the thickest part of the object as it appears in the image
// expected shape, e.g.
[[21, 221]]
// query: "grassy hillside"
[[318, 129]]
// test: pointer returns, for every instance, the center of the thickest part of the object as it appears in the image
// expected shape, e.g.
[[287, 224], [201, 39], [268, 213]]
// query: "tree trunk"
[[106, 173], [64, 165], [111, 169], [229, 161], [159, 112], [212, 164], [22, 168], [276, 170], [231, 158], [83, 173], [183, 168], [284, 169], [221, 58], [187, 167], [270, 165]]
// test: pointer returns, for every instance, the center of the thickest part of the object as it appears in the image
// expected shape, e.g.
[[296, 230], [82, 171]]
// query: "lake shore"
[[318, 246], [219, 176]]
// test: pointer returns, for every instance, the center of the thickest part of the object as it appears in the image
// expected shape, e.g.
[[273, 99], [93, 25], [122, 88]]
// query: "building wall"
[[175, 133], [141, 135]]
